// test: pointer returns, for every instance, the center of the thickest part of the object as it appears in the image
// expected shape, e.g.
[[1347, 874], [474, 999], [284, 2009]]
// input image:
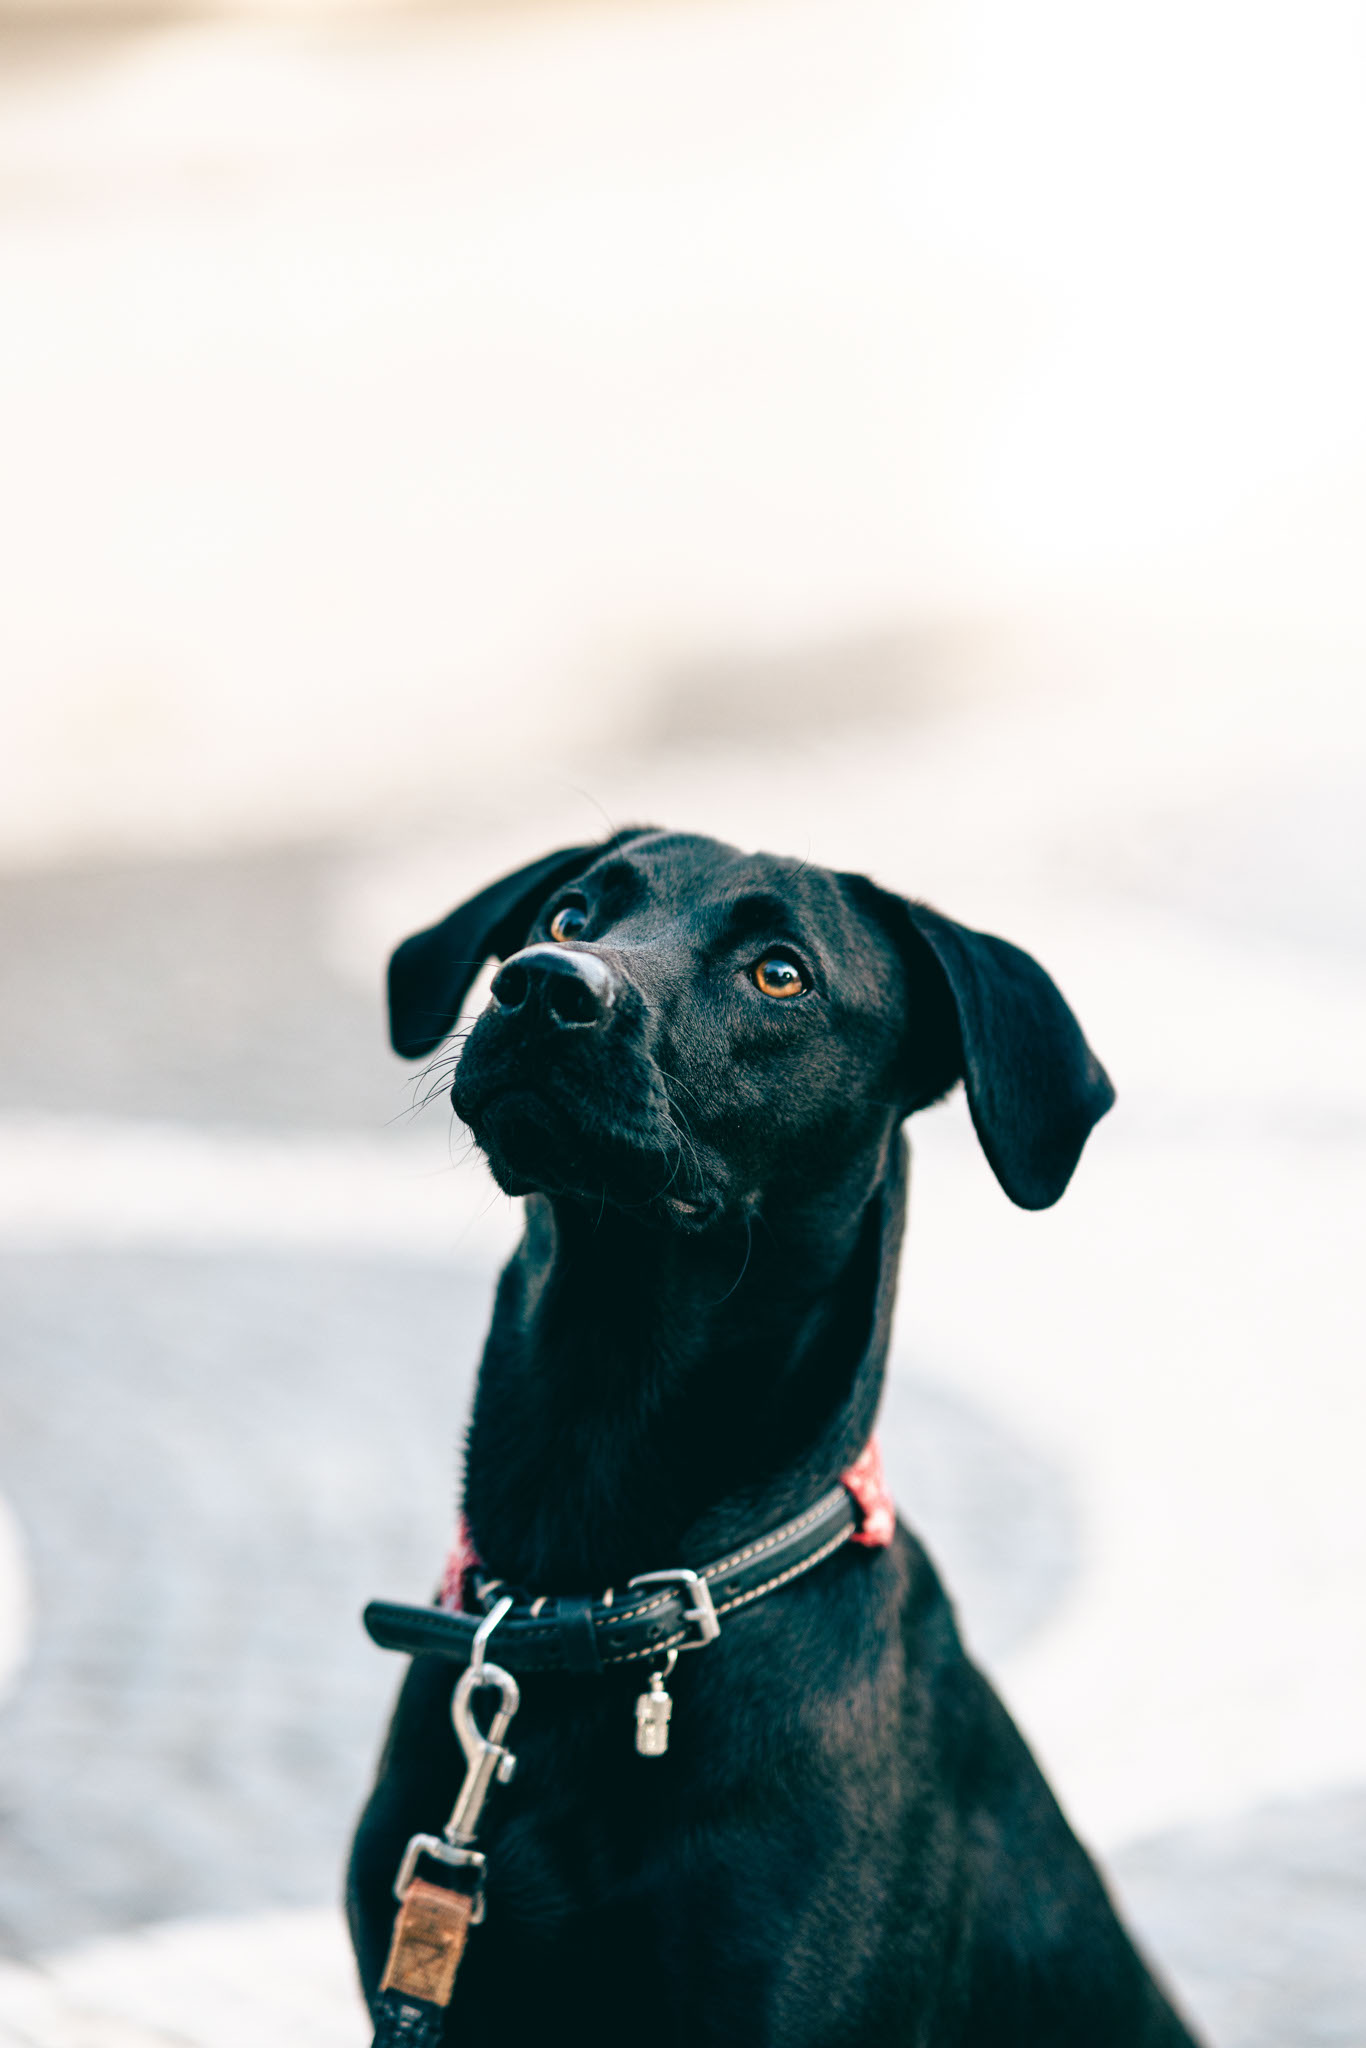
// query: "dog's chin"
[[531, 1149]]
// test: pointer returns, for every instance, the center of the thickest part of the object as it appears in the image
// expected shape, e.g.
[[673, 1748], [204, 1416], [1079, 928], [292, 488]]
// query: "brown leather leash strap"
[[419, 1977]]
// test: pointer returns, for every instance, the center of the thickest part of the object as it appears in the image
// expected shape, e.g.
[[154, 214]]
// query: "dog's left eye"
[[775, 975], [568, 922]]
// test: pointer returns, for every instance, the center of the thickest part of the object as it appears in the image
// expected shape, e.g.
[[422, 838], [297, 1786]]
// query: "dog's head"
[[696, 1033]]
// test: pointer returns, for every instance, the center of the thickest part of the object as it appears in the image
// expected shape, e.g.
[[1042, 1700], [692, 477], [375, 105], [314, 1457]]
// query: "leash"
[[440, 1878], [434, 1919]]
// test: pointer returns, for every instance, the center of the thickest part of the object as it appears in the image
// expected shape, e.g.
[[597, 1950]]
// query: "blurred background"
[[924, 435]]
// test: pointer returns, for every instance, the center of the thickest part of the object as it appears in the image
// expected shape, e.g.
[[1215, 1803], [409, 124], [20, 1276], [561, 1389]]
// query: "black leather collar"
[[658, 1612]]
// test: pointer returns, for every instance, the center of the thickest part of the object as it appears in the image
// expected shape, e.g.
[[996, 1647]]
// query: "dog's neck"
[[649, 1397]]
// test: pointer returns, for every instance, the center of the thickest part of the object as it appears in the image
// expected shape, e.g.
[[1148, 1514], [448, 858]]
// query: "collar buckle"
[[703, 1610]]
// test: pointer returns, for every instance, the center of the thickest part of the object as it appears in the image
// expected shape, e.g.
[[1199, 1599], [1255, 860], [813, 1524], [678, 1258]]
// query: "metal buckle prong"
[[703, 1611]]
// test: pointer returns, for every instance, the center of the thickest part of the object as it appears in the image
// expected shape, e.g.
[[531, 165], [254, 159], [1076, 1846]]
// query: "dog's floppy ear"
[[1034, 1086], [986, 1014], [430, 974]]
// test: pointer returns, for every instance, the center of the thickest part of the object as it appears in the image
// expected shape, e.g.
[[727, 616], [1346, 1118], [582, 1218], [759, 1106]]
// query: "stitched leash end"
[[424, 1955], [429, 1940]]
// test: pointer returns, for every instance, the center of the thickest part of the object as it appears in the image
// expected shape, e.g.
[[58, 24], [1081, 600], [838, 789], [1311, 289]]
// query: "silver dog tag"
[[653, 1709]]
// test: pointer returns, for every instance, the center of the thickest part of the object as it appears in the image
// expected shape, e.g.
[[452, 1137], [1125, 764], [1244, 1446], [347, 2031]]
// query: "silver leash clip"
[[486, 1758]]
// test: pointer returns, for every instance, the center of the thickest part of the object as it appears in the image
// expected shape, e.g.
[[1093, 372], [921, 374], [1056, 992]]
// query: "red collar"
[[867, 1481], [864, 1479]]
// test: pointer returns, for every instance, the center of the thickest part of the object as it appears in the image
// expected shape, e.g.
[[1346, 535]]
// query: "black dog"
[[695, 1065]]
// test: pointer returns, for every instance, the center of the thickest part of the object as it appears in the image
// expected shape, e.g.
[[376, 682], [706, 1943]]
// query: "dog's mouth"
[[535, 1144], [689, 1213], [585, 1116]]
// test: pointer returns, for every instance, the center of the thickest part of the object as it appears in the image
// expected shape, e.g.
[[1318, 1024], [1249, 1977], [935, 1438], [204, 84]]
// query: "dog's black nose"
[[564, 987]]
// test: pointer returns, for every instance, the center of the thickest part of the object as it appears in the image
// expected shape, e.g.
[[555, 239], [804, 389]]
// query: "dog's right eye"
[[568, 922], [780, 977]]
